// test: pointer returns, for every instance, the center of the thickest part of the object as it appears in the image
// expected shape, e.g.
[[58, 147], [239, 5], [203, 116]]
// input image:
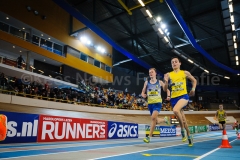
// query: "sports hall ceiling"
[[208, 21]]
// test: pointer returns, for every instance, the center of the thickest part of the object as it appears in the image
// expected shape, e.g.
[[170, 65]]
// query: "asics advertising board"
[[166, 131], [55, 128], [22, 128], [122, 130]]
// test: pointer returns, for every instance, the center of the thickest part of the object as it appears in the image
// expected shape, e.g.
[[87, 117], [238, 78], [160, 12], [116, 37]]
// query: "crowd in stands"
[[86, 93]]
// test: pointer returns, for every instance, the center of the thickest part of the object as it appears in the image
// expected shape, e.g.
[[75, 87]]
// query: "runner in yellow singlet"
[[221, 116], [179, 96]]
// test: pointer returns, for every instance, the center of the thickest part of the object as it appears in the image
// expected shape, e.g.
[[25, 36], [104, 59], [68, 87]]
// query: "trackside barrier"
[[25, 128]]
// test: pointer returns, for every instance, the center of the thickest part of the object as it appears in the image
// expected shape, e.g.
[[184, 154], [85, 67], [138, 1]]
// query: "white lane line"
[[149, 149], [76, 151], [208, 153]]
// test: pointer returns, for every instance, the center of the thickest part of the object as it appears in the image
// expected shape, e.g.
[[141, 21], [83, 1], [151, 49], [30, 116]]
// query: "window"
[[108, 69], [4, 27], [90, 60], [35, 40], [102, 66], [17, 32], [57, 49], [73, 52], [83, 57], [28, 37], [46, 44], [96, 63]]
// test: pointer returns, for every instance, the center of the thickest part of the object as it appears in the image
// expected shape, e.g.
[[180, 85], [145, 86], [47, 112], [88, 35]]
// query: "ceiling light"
[[163, 26], [20, 51], [165, 30], [29, 8], [49, 38], [41, 34], [227, 77], [190, 60], [236, 58], [23, 28], [141, 2], [238, 74], [232, 19], [160, 30], [235, 45], [237, 63], [230, 8], [149, 14], [158, 19], [206, 71], [234, 38], [7, 18], [168, 33], [44, 60], [233, 27], [166, 39], [36, 12], [13, 46]]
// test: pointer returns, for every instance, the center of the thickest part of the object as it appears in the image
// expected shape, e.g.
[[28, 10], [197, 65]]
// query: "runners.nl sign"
[[22, 128]]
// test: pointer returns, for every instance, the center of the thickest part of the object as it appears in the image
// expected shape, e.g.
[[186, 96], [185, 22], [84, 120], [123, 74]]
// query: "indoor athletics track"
[[205, 147]]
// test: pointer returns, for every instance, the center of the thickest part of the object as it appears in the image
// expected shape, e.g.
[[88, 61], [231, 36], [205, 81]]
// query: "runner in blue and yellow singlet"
[[153, 89], [179, 96]]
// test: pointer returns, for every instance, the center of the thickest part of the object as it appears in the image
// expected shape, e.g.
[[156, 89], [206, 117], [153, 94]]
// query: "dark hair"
[[176, 57], [153, 69]]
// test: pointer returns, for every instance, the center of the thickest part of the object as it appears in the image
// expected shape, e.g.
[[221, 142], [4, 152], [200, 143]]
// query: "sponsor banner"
[[178, 131], [191, 129], [166, 131], [213, 127], [229, 127], [118, 130], [22, 128], [201, 129], [156, 132], [55, 128], [141, 130]]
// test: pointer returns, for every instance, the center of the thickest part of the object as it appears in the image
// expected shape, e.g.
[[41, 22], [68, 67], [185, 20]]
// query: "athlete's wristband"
[[193, 89]]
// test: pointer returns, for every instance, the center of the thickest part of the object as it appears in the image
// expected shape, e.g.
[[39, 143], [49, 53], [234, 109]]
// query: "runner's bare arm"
[[163, 86], [166, 78], [194, 82], [144, 90]]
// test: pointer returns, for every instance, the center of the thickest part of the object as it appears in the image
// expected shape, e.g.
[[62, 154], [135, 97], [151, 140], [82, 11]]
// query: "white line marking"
[[208, 153], [76, 145], [149, 149], [105, 148]]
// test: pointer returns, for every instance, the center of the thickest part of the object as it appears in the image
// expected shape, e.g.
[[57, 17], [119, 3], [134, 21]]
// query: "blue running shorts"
[[154, 107], [176, 99]]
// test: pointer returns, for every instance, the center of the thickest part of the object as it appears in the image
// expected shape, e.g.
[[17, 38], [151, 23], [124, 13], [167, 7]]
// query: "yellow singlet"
[[221, 116], [178, 82]]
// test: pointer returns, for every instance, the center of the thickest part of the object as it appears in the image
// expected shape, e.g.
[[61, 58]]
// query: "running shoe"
[[3, 127], [190, 140], [166, 120], [184, 138], [146, 140]]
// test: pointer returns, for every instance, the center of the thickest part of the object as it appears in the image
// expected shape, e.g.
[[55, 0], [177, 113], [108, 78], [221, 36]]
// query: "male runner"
[[221, 116], [153, 88], [3, 127], [179, 96]]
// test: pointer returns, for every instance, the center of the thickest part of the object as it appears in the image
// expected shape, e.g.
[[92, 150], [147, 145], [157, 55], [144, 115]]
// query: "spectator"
[[20, 60]]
